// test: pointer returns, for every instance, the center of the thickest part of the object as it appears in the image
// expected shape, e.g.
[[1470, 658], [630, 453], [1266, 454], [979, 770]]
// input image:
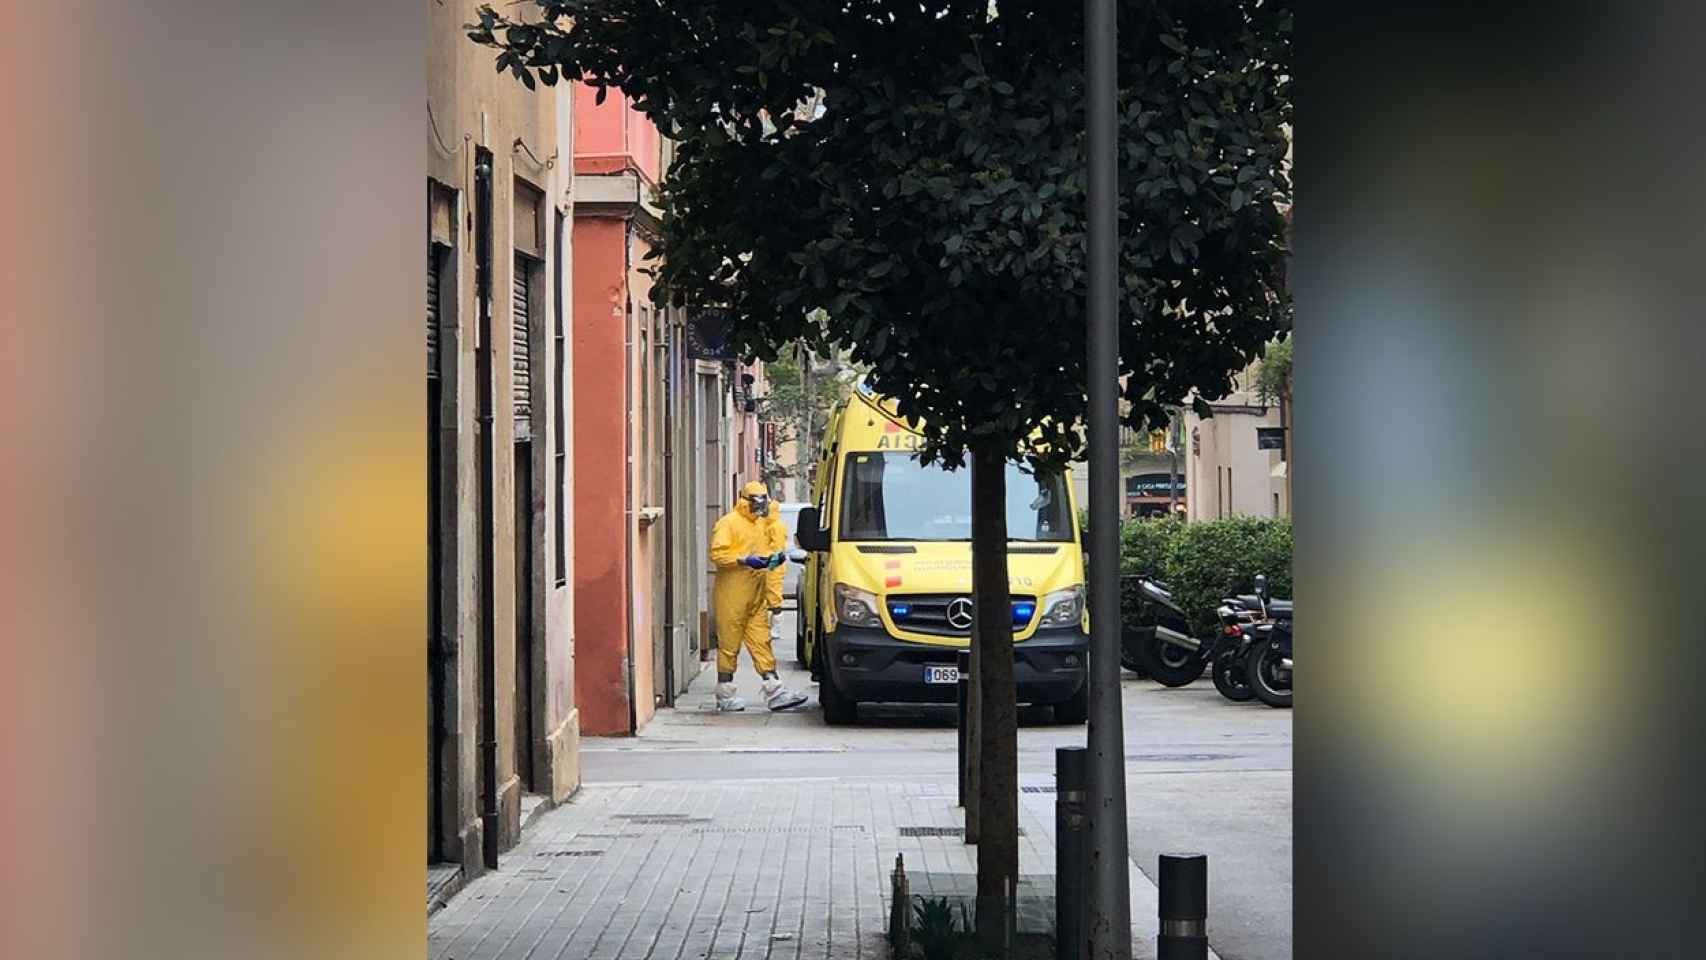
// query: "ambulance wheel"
[[838, 710], [800, 638]]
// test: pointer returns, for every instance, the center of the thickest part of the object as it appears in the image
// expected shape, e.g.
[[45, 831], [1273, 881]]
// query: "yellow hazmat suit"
[[742, 596]]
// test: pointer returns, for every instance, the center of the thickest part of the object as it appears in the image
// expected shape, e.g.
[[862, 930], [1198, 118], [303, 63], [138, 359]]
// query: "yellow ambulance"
[[885, 599]]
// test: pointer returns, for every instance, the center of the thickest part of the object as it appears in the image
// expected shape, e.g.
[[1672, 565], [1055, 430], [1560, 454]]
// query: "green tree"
[[804, 389], [1273, 385], [1273, 379], [916, 168]]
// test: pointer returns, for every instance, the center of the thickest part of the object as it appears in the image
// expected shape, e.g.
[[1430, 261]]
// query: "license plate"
[[935, 674]]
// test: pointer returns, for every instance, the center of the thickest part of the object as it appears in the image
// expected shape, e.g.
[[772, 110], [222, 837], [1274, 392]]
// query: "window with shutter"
[[520, 344], [432, 310]]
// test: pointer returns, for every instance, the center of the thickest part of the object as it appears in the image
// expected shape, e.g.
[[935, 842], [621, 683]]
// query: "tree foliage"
[[801, 394], [913, 172], [916, 170], [1273, 380]]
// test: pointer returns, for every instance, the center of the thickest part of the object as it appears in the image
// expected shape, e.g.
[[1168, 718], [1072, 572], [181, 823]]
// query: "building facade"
[[1152, 475], [665, 431], [618, 425], [1228, 470], [502, 720]]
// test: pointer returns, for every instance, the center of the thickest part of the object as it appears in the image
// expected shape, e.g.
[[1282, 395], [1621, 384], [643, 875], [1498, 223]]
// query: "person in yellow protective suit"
[[773, 581], [747, 548]]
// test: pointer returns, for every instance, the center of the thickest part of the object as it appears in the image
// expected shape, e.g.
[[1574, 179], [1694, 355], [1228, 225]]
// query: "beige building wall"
[[470, 109], [1227, 475]]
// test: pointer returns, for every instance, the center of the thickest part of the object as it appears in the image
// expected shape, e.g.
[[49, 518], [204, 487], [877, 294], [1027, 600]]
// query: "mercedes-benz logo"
[[959, 613]]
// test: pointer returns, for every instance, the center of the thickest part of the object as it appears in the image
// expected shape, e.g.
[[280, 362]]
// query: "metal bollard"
[[1071, 851], [1183, 879], [963, 689]]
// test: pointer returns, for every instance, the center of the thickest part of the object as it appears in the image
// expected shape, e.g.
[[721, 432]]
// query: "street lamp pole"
[[1173, 465], [1109, 920]]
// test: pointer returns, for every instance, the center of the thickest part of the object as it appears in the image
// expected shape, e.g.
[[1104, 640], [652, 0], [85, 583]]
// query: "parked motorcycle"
[[1159, 641], [1268, 661], [1268, 665], [1132, 636], [1226, 665]]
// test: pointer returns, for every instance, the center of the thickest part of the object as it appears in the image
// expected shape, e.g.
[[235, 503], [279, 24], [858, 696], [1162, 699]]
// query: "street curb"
[[441, 894]]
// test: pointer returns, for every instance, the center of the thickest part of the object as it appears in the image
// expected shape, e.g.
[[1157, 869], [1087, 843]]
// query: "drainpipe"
[[670, 390], [629, 537], [489, 816]]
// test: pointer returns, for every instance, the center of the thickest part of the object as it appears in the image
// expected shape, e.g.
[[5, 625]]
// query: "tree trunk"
[[805, 452], [973, 746], [998, 717]]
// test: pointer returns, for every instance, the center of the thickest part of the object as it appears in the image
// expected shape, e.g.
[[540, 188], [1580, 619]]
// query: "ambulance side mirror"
[[808, 532]]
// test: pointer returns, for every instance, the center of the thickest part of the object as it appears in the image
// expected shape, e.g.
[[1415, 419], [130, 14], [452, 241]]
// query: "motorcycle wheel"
[[1169, 665], [1231, 680], [1271, 685]]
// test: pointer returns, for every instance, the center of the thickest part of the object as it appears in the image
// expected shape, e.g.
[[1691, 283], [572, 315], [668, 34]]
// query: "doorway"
[[522, 310], [524, 613], [435, 558], [710, 446]]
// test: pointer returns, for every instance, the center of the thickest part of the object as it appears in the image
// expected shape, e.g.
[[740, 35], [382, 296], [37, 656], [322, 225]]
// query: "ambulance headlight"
[[1063, 608], [855, 607]]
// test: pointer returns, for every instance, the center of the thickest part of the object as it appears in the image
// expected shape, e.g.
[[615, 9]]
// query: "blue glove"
[[776, 561], [757, 562]]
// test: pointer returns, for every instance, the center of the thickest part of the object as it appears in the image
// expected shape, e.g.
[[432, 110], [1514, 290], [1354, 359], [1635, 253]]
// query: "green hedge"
[[1145, 544], [1206, 561]]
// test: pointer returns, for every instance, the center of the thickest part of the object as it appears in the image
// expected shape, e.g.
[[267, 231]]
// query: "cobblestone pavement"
[[759, 835]]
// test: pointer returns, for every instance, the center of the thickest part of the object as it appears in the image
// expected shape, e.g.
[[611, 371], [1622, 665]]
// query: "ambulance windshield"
[[891, 496]]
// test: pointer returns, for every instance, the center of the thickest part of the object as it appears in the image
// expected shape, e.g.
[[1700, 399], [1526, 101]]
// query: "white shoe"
[[727, 701], [779, 697]]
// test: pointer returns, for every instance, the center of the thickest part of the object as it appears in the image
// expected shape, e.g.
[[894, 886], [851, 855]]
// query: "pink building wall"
[[614, 558], [613, 136], [602, 581]]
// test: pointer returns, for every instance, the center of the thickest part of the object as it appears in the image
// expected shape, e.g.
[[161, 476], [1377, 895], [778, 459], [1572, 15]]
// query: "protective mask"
[[760, 506]]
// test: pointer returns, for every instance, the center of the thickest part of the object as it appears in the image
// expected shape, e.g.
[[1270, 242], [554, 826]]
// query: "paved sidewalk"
[[702, 871], [759, 835]]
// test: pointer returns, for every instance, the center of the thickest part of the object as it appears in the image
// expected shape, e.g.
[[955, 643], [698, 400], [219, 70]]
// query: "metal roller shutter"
[[520, 348], [432, 311]]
